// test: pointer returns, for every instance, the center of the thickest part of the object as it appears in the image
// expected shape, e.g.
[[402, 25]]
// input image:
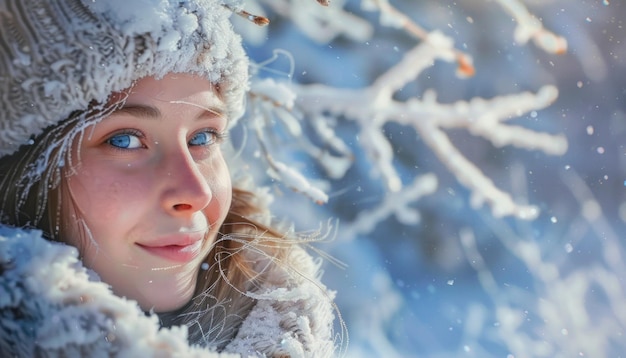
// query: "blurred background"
[[461, 282]]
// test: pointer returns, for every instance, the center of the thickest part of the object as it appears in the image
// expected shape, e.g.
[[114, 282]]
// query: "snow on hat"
[[61, 56]]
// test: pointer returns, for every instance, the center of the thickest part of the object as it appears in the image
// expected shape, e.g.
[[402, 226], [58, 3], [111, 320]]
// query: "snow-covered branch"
[[374, 106], [319, 107], [320, 23], [530, 28], [397, 204]]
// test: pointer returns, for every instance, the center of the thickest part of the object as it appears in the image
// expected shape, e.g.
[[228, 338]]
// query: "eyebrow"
[[139, 110], [146, 111]]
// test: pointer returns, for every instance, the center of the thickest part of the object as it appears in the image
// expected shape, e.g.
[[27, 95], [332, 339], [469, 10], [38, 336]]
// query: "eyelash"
[[132, 132], [218, 136]]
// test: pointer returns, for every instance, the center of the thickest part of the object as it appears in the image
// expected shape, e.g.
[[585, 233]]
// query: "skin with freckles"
[[150, 190]]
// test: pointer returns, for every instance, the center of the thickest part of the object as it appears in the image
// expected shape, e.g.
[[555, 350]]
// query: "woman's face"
[[150, 189]]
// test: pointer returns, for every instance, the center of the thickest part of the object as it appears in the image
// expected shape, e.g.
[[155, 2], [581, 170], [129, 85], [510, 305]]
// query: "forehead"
[[175, 88]]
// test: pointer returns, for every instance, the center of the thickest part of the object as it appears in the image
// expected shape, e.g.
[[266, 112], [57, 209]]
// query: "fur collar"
[[50, 305]]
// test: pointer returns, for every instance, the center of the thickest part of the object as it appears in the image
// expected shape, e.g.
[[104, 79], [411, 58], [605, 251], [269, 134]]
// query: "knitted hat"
[[60, 56]]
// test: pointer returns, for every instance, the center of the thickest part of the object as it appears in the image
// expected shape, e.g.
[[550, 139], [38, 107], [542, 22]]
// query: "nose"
[[186, 189]]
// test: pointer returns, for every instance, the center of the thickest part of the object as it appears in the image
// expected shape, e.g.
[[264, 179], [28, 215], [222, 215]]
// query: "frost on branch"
[[270, 100], [529, 27], [320, 23], [374, 106], [396, 204], [306, 116]]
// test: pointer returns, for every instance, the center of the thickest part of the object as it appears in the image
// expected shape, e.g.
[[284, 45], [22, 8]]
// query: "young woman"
[[122, 232]]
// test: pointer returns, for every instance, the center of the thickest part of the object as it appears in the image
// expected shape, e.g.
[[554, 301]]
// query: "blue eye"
[[203, 138], [125, 141]]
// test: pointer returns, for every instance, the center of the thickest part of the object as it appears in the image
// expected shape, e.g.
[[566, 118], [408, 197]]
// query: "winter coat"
[[52, 306]]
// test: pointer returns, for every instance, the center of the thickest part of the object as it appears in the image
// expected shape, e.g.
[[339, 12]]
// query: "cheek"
[[101, 197]]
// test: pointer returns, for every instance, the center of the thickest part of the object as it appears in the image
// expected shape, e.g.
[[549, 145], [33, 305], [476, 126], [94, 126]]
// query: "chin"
[[166, 292], [154, 301]]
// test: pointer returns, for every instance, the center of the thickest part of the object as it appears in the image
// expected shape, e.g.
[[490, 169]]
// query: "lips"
[[178, 248]]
